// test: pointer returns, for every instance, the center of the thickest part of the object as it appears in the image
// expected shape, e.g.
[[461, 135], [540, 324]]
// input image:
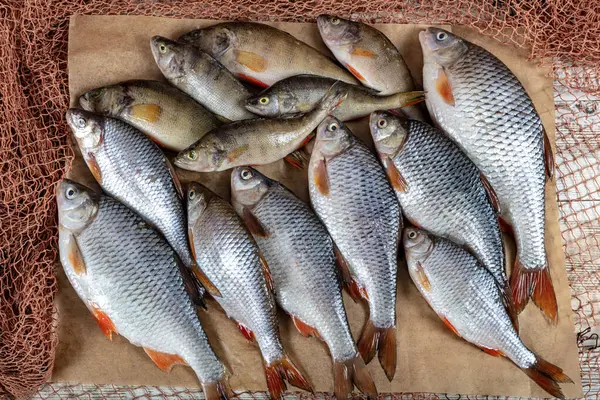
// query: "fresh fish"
[[257, 141], [482, 106], [351, 195], [202, 77], [467, 298], [441, 190], [167, 115], [231, 260], [262, 54], [300, 94], [301, 259], [129, 278]]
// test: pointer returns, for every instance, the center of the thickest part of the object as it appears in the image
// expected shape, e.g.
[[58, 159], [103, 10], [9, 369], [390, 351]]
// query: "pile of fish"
[[143, 254]]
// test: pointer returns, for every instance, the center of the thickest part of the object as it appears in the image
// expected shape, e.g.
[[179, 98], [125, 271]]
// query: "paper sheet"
[[109, 49]]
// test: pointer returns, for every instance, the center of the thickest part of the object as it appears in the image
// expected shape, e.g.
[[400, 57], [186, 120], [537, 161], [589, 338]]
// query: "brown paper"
[[109, 49]]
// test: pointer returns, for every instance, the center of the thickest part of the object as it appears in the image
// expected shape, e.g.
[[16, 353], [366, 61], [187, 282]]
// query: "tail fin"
[[547, 376], [407, 99], [345, 373], [280, 371], [537, 284], [382, 341], [217, 390]]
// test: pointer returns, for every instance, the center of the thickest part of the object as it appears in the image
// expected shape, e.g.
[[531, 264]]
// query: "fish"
[[469, 301], [261, 54], [481, 105], [350, 193], [129, 278], [257, 141], [202, 77], [168, 116], [232, 261], [441, 190], [300, 94], [301, 259]]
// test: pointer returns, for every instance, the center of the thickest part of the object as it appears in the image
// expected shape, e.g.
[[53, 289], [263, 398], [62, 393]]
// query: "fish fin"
[[353, 371], [547, 376], [237, 152], [386, 351], [449, 325], [422, 277], [492, 352], [307, 139], [280, 371], [396, 179], [321, 178], [253, 224], [267, 272], [246, 332], [192, 286], [203, 279], [104, 322], [164, 361], [304, 329], [506, 227], [219, 390], [74, 256], [509, 304], [407, 99], [94, 167], [250, 60], [354, 72], [491, 193], [548, 157], [298, 159], [367, 344], [349, 282], [537, 284], [442, 85], [145, 112], [176, 181], [359, 51], [252, 80]]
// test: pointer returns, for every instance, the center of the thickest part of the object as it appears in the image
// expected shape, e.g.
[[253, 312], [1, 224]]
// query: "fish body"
[[202, 77], [257, 141], [129, 278], [164, 113], [301, 259], [300, 94], [351, 195], [477, 101], [262, 54], [233, 263], [467, 298]]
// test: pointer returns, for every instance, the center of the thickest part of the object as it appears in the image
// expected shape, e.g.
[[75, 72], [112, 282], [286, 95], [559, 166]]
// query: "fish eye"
[[332, 127], [382, 122], [246, 174], [192, 194], [81, 122], [96, 93], [192, 155], [162, 48], [264, 100], [335, 21], [441, 36], [71, 192], [412, 234]]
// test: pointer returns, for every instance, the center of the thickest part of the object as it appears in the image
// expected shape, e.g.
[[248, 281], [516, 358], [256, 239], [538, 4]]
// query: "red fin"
[[280, 371], [298, 158], [94, 167], [252, 80], [548, 157], [506, 227], [352, 371], [492, 352], [321, 178], [450, 326], [164, 361], [304, 329], [253, 224], [442, 85], [547, 376], [248, 334], [74, 257], [396, 179], [422, 277], [250, 60], [386, 351], [536, 284], [208, 285], [367, 344], [491, 194], [355, 73], [359, 51], [104, 322], [267, 272], [307, 140], [349, 282], [408, 99], [219, 390]]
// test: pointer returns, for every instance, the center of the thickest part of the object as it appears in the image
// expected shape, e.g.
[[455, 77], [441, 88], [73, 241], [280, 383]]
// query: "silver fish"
[[232, 261], [129, 278], [482, 106], [301, 259], [469, 301], [351, 195]]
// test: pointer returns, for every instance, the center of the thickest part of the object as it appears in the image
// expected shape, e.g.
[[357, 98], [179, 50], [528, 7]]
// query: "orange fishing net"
[[35, 150]]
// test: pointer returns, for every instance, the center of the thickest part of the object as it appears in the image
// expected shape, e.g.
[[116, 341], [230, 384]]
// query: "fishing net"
[[35, 151]]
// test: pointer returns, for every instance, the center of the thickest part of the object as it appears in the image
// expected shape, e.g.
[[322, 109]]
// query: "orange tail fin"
[[217, 390], [281, 371], [547, 376], [537, 284], [382, 341], [345, 373]]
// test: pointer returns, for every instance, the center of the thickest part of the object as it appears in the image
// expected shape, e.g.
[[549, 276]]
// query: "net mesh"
[[35, 151]]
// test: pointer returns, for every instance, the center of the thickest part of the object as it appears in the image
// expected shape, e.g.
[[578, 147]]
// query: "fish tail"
[[284, 370], [547, 376], [381, 341], [537, 285], [349, 372], [219, 390], [408, 98]]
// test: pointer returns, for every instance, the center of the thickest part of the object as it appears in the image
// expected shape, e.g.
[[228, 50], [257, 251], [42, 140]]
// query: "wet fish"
[[129, 278], [441, 190], [300, 94], [467, 298], [164, 113], [262, 54], [257, 141], [483, 107], [301, 259], [351, 195], [231, 260], [202, 77]]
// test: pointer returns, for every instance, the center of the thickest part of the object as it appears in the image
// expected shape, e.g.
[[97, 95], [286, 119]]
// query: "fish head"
[[265, 104], [337, 31], [441, 46], [417, 245], [88, 129], [203, 156], [333, 137], [77, 205], [389, 131], [108, 100], [215, 40], [198, 197], [170, 56], [248, 186]]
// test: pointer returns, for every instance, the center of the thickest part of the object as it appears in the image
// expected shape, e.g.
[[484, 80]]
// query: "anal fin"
[[164, 361], [104, 322], [247, 333], [491, 194], [305, 329]]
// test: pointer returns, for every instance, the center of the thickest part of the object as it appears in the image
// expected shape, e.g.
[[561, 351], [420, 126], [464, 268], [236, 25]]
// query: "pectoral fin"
[[396, 179], [237, 152], [321, 177], [250, 60], [253, 224], [74, 256], [145, 112], [94, 167], [442, 85], [359, 51]]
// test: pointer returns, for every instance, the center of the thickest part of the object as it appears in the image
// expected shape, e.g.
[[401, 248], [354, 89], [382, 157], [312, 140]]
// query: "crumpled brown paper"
[[110, 49]]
